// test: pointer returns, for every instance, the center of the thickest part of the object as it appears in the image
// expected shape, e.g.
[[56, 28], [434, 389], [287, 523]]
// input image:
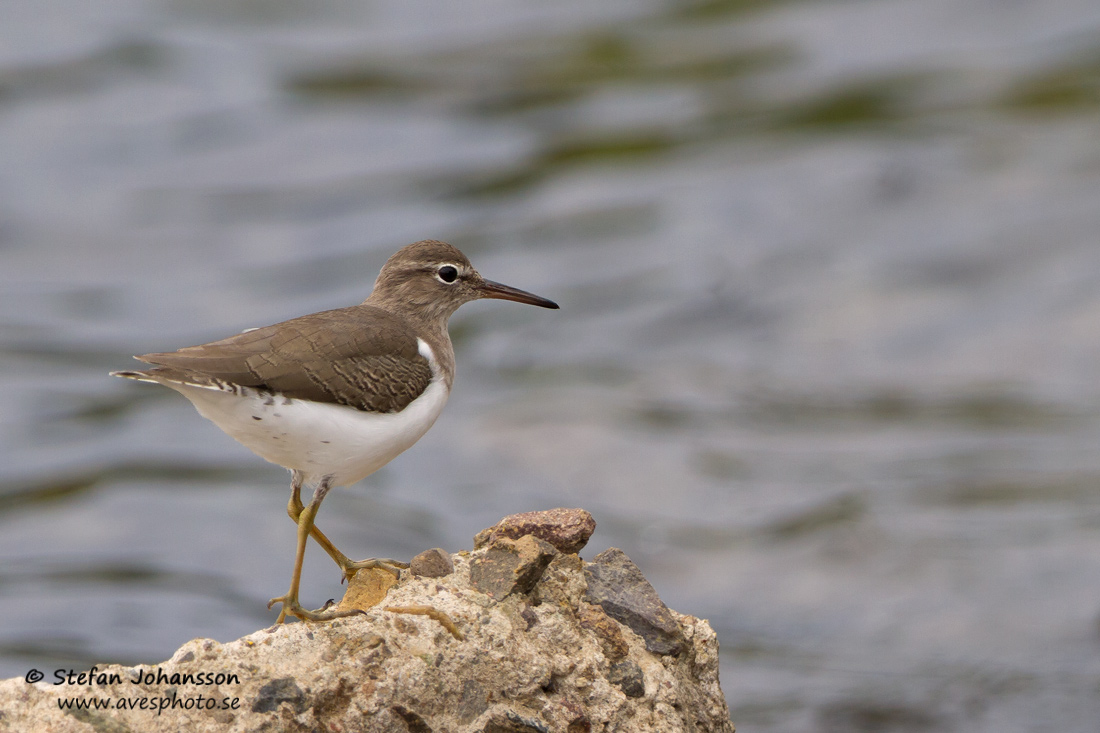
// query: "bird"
[[334, 396]]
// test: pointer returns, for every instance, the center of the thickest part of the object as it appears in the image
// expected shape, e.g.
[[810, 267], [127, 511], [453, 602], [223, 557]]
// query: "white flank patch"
[[319, 438]]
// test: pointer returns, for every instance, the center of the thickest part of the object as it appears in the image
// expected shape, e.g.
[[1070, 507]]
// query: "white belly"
[[318, 439]]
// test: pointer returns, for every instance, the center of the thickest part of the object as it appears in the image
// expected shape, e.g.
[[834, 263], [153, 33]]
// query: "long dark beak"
[[490, 289]]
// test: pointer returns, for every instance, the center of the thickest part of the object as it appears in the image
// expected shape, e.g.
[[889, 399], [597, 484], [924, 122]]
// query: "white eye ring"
[[447, 274]]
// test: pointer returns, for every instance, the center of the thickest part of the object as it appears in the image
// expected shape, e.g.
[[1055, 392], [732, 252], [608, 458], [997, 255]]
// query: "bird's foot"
[[351, 567], [292, 607]]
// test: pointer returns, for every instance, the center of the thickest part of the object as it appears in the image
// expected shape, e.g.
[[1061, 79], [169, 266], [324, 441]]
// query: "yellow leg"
[[305, 527], [294, 508]]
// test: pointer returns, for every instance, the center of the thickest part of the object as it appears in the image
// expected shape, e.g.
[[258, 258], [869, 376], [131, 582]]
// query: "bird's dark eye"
[[447, 273]]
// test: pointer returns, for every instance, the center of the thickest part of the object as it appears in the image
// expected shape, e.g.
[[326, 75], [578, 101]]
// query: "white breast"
[[318, 438]]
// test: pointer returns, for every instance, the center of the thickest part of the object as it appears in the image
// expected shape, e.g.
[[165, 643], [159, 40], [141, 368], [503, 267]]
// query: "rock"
[[566, 529], [434, 563], [607, 630], [539, 660], [618, 586], [366, 589], [510, 566], [276, 692], [628, 676], [512, 722], [413, 722]]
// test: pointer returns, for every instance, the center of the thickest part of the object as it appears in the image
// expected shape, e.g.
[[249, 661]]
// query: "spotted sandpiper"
[[336, 395]]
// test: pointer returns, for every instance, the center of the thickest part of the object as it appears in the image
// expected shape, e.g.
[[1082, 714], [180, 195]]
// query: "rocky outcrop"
[[519, 638], [567, 530], [618, 586]]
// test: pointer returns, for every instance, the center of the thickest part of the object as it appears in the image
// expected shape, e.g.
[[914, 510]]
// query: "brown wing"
[[361, 356]]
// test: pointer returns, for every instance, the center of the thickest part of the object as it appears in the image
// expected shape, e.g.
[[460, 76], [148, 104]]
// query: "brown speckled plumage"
[[362, 356]]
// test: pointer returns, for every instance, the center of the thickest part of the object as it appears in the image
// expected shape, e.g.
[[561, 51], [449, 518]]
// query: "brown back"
[[360, 356]]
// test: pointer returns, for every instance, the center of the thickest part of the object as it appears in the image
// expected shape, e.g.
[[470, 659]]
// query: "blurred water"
[[825, 368]]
